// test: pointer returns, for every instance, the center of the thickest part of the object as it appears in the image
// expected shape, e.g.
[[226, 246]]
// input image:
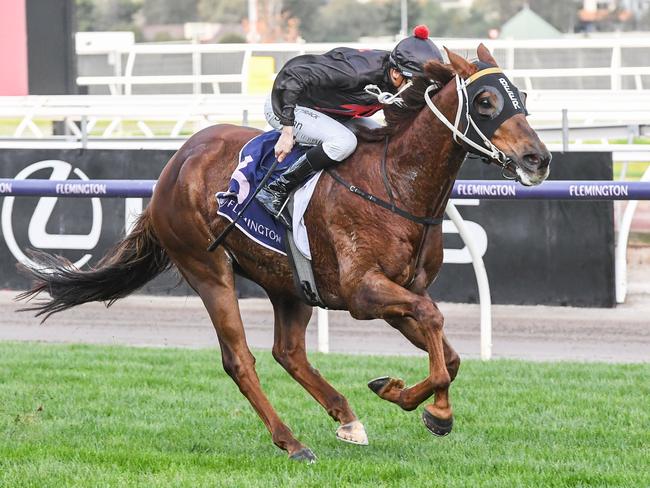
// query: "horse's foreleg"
[[291, 320], [378, 297], [214, 281], [452, 359], [409, 328]]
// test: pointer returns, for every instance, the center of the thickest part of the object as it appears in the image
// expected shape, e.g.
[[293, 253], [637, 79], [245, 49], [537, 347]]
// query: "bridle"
[[485, 149]]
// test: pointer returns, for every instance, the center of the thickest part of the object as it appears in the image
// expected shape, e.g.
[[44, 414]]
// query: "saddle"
[[255, 159]]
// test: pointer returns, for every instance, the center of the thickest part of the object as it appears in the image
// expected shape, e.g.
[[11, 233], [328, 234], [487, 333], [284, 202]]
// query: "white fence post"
[[620, 266], [128, 73], [616, 78], [323, 331], [485, 299], [196, 72]]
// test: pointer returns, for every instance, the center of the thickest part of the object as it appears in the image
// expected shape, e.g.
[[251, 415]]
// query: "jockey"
[[318, 100]]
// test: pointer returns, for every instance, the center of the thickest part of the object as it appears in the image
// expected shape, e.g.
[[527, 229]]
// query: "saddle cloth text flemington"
[[255, 158]]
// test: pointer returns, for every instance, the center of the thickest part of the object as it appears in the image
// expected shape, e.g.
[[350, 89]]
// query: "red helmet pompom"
[[421, 32]]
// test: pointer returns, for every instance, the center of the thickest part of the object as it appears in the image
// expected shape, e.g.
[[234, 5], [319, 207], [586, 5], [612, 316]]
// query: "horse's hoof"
[[353, 432], [378, 383], [439, 427], [304, 454], [387, 388]]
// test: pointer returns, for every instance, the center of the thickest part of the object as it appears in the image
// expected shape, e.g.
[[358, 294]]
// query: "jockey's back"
[[333, 83]]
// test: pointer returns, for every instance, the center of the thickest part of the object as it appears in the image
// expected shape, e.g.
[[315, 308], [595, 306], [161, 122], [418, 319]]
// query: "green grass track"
[[118, 416]]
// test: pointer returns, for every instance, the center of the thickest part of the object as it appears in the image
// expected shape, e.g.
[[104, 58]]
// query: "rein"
[[383, 203], [427, 222], [387, 98], [487, 151]]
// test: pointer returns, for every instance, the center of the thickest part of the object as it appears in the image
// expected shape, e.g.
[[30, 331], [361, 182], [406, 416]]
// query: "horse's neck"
[[424, 160]]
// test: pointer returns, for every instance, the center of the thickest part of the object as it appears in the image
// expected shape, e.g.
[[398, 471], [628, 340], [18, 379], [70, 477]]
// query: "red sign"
[[13, 48]]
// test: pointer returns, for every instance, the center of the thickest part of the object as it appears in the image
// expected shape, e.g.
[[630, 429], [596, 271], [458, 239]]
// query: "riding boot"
[[274, 195]]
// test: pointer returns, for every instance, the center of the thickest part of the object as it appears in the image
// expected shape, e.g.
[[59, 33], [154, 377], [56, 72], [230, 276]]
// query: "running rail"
[[463, 189], [468, 189]]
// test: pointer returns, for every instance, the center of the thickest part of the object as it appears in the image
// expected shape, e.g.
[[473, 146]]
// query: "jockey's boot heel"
[[274, 195]]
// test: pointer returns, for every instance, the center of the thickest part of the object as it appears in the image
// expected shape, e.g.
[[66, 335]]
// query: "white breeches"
[[312, 127]]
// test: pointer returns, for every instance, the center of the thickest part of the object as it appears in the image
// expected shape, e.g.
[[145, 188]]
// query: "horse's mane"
[[398, 118]]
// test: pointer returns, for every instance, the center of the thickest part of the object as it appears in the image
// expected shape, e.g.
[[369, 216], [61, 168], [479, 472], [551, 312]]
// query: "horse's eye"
[[485, 103]]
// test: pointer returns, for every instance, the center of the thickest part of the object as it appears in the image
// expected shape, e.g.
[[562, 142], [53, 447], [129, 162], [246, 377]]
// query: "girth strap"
[[382, 203], [303, 274]]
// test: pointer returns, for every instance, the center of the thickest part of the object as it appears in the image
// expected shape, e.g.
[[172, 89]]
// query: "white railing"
[[179, 110], [516, 56], [556, 114]]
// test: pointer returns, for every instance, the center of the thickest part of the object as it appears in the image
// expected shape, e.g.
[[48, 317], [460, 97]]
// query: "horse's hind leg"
[[214, 281], [291, 320]]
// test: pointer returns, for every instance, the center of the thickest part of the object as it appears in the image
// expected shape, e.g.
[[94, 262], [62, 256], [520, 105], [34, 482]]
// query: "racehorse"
[[372, 261]]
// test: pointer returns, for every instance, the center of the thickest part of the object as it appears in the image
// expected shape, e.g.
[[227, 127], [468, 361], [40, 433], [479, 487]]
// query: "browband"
[[483, 72]]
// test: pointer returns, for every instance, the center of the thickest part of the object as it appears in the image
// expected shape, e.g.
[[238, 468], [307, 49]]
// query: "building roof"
[[526, 24]]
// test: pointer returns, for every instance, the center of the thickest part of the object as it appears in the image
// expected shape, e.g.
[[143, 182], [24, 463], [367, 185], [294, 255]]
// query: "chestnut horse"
[[367, 260]]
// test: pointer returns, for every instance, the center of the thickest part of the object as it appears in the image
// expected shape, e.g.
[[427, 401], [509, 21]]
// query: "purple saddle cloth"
[[255, 159]]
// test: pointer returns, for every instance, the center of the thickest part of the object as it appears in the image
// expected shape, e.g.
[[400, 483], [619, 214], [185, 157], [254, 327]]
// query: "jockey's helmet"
[[411, 53]]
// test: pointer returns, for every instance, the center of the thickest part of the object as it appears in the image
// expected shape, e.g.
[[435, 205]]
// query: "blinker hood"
[[509, 104]]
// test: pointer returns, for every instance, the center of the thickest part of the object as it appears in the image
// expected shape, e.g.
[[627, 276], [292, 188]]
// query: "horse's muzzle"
[[533, 166]]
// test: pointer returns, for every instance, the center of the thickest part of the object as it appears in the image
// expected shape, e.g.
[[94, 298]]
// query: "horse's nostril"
[[531, 159], [535, 160]]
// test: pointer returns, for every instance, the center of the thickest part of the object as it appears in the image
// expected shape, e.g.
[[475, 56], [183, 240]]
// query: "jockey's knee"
[[332, 150], [341, 146]]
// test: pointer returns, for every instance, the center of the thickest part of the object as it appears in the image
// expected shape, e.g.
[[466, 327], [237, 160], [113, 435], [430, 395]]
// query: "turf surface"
[[115, 416]]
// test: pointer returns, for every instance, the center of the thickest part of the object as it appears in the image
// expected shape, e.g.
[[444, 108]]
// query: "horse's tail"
[[137, 259]]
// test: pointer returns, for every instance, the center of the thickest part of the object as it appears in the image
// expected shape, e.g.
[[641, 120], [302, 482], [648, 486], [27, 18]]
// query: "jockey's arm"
[[293, 81], [290, 83]]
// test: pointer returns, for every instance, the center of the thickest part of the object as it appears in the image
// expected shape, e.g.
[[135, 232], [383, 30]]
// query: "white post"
[[615, 77], [404, 19], [620, 267], [117, 70], [510, 54], [323, 331], [246, 62], [128, 72], [253, 36], [196, 66], [481, 280]]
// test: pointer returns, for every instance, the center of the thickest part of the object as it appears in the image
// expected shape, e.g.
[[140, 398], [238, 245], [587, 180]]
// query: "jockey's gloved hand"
[[285, 143]]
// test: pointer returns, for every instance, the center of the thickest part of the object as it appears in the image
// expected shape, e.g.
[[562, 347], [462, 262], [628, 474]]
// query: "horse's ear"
[[461, 66], [485, 55]]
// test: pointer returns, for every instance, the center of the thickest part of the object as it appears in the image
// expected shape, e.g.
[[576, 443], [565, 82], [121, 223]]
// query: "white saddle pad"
[[300, 203]]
